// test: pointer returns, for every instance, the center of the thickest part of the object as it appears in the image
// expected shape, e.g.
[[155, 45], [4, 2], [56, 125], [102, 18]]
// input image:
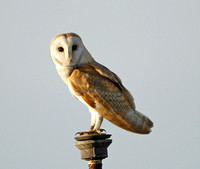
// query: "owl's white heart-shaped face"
[[67, 50]]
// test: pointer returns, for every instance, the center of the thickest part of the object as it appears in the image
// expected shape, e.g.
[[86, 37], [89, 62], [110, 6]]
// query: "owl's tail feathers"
[[142, 124]]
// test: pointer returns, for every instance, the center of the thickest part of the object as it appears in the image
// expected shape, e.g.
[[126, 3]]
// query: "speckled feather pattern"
[[104, 92]]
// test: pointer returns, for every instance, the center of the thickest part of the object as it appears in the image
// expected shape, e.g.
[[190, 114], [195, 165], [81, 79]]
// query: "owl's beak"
[[70, 60]]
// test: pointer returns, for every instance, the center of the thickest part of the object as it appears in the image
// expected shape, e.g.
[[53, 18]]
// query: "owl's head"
[[68, 51]]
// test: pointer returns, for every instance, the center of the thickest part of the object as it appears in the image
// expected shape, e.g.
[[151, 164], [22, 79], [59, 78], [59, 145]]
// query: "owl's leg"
[[91, 128], [96, 120]]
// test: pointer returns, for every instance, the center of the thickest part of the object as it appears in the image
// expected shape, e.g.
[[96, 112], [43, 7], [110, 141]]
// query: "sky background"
[[153, 46]]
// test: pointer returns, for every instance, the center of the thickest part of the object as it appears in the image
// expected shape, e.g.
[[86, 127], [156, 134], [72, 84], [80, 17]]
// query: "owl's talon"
[[101, 130], [98, 131]]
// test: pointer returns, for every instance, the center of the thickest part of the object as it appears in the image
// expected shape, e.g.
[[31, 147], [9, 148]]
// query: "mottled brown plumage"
[[108, 97]]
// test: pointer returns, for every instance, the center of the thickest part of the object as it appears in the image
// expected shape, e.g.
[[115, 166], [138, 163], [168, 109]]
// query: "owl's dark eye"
[[60, 49], [74, 47]]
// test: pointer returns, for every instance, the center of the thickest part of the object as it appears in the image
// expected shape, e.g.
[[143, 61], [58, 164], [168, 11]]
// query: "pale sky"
[[153, 46]]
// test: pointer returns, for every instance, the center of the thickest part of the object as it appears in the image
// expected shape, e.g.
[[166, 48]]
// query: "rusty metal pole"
[[93, 148]]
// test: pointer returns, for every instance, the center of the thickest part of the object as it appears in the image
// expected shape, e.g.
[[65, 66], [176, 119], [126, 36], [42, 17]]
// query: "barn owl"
[[96, 86]]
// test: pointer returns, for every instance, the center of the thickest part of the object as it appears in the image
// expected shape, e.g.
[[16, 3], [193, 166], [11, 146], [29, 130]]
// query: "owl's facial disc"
[[66, 51]]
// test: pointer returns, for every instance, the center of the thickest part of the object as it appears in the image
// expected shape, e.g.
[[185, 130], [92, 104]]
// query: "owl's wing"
[[103, 91], [104, 71]]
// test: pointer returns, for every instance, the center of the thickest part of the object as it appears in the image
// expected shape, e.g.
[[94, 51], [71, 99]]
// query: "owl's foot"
[[90, 132], [97, 131]]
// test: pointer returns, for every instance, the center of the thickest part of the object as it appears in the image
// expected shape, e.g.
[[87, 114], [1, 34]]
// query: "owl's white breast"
[[64, 72]]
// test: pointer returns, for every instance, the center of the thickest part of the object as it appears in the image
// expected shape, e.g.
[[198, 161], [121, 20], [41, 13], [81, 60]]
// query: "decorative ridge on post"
[[93, 148]]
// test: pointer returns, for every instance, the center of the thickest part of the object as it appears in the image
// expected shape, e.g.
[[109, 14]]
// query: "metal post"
[[93, 148]]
